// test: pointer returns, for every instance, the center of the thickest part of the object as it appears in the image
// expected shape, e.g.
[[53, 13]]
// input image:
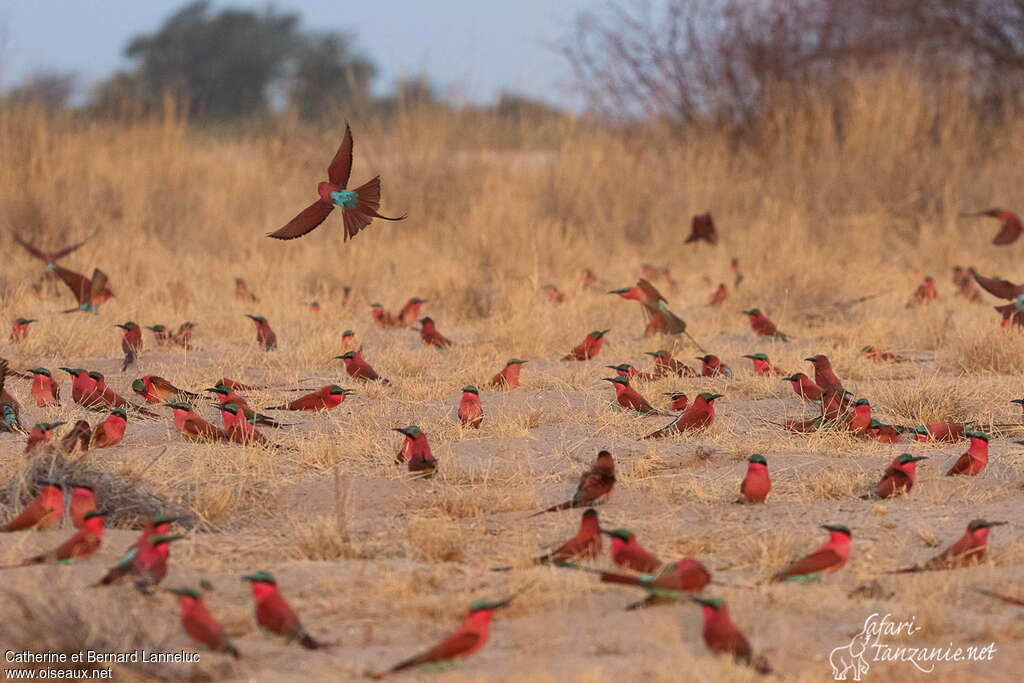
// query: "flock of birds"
[[146, 562]]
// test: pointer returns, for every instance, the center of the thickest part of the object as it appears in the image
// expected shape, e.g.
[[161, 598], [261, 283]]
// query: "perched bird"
[[629, 554], [382, 316], [628, 397], [554, 295], [265, 336], [324, 398], [925, 292], [763, 326], [78, 436], [230, 395], [158, 525], [718, 296], [699, 415], [192, 426], [829, 558], [630, 372], [941, 431], [83, 389], [712, 366], [40, 436], [595, 485], [723, 637], [970, 549], [508, 378], [237, 386], [110, 432], [884, 433], [10, 410], [430, 335], [899, 476], [314, 306], [242, 292], [131, 342], [762, 366], [703, 228], [585, 545], [589, 347], [358, 207], [111, 399], [469, 639], [156, 389], [824, 376], [660, 319], [200, 625], [183, 337], [860, 420], [43, 512], [89, 293], [357, 368], [974, 460], [45, 389], [679, 400], [675, 580], [755, 486], [471, 413], [239, 427], [161, 335], [1011, 225], [410, 312], [149, 565], [19, 331], [274, 613], [83, 501], [348, 341], [665, 364], [804, 387], [871, 353], [82, 545], [416, 451]]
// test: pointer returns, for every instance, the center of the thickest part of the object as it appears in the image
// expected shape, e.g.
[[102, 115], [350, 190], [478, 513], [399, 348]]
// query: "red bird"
[[926, 291], [242, 292], [860, 421], [703, 228], [660, 318], [131, 342], [19, 332], [265, 336], [884, 433], [698, 416], [678, 399], [45, 390], [416, 451], [156, 389], [588, 279], [734, 266], [1011, 225], [430, 335], [111, 399], [829, 558], [965, 285], [83, 501], [358, 207], [43, 512], [970, 549], [89, 293], [275, 614], [508, 378], [1004, 289], [974, 460], [941, 431], [358, 368], [471, 413], [241, 428], [348, 341], [757, 483], [159, 525], [763, 326], [871, 353], [824, 377], [161, 335], [804, 387], [898, 478], [630, 372], [39, 437], [718, 296], [628, 397], [149, 565], [712, 366], [665, 364], [585, 545], [762, 366], [193, 427], [722, 636], [595, 485], [324, 398], [673, 581], [410, 312], [553, 294], [110, 432], [82, 545], [50, 257], [383, 317], [183, 337], [199, 624], [589, 347], [629, 554]]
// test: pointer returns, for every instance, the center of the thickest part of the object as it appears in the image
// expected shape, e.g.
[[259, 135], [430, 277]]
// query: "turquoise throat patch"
[[346, 199]]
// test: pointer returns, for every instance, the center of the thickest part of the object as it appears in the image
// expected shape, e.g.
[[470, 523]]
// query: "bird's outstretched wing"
[[1004, 289], [341, 165], [74, 247], [80, 286], [310, 217], [30, 248], [99, 282], [1010, 231]]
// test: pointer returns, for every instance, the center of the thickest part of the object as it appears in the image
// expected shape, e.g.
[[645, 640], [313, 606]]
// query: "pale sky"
[[471, 48]]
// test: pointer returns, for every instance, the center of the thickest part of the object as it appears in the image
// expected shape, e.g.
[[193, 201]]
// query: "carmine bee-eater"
[[383, 317], [50, 258], [660, 319], [357, 368], [1012, 313], [239, 427], [83, 501], [1019, 401], [230, 395], [589, 347], [242, 291], [156, 389], [755, 486], [824, 376], [712, 366], [183, 337], [149, 565], [416, 451], [358, 206], [45, 390], [628, 397], [679, 400], [703, 228], [410, 312], [431, 336], [236, 385], [199, 624], [554, 295], [314, 306], [629, 554], [718, 296], [630, 372], [925, 292], [10, 410], [19, 332], [1011, 226], [860, 421], [265, 336], [110, 432], [804, 387], [471, 413], [89, 293], [112, 399], [586, 544], [884, 433], [723, 637], [193, 427], [595, 485], [699, 415], [274, 614], [508, 378], [970, 549], [78, 436], [996, 286], [131, 342], [83, 389], [43, 512], [965, 284], [899, 476], [160, 524], [675, 580], [665, 364], [161, 335], [974, 460], [324, 398], [40, 436], [879, 356], [762, 325], [829, 558], [348, 341], [762, 366], [941, 431], [468, 639], [587, 278], [82, 545]]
